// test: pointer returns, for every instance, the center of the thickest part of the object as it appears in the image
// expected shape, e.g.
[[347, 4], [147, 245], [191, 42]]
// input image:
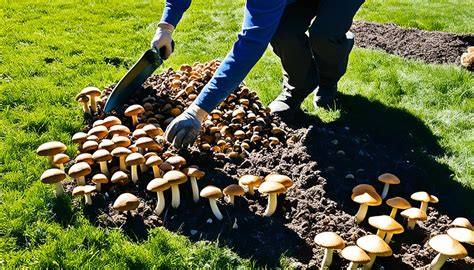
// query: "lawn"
[[50, 51]]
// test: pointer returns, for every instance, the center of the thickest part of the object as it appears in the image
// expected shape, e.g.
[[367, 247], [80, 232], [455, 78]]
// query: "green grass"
[[441, 15], [50, 51]]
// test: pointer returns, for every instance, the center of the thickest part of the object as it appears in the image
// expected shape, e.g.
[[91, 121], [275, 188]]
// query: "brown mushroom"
[[78, 171], [397, 203], [329, 241], [462, 222], [278, 178], [447, 248], [84, 157], [102, 156], [375, 247], [233, 190], [92, 92], [159, 185], [423, 197], [154, 161], [121, 153], [79, 137], [356, 256], [84, 100], [213, 193], [54, 176], [100, 179], [133, 160], [251, 182], [366, 199], [88, 190], [119, 177], [176, 161], [134, 111], [413, 215], [386, 227], [50, 149], [194, 175], [126, 202], [60, 159], [272, 189], [175, 178], [462, 235], [388, 179]]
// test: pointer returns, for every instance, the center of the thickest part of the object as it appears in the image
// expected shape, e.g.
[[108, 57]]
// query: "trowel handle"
[[162, 50]]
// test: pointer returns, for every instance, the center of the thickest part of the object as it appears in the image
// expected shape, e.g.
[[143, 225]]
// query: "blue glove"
[[184, 129]]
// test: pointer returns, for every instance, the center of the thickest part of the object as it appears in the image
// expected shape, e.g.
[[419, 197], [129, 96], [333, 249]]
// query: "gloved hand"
[[163, 38], [184, 129]]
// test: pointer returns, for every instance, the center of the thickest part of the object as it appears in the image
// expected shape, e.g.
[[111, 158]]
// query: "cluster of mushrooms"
[[369, 247]]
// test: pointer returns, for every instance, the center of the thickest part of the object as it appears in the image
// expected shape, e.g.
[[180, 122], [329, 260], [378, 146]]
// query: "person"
[[309, 36]]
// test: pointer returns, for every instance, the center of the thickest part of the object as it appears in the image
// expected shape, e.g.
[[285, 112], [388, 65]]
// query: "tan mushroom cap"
[[102, 155], [398, 202], [389, 178], [194, 172], [82, 98], [100, 178], [414, 213], [175, 177], [268, 187], [110, 121], [211, 192], [375, 245], [79, 137], [368, 197], [158, 184], [90, 146], [176, 161], [234, 190], [363, 188], [52, 176], [134, 110], [152, 130], [118, 176], [462, 235], [434, 199], [421, 196], [462, 222], [51, 148], [355, 254], [79, 169], [99, 131], [121, 152], [126, 202], [120, 130], [447, 246], [249, 179], [78, 191], [154, 160], [144, 142], [88, 189], [61, 158], [134, 159], [85, 157], [329, 240], [386, 223], [279, 178], [121, 141], [165, 166], [91, 91]]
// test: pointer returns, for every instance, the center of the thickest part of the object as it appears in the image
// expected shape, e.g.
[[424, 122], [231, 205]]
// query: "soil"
[[430, 46]]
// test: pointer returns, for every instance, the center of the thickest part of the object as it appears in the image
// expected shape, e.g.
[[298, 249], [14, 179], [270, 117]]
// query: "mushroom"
[[79, 137], [159, 185], [121, 153], [78, 191], [388, 179], [194, 174], [175, 178], [111, 121], [233, 190], [100, 179], [89, 146], [329, 241], [213, 193], [133, 111], [119, 130], [251, 182], [278, 178], [50, 149], [397, 203], [54, 176], [143, 143], [374, 246], [102, 156], [413, 214], [99, 131], [272, 189], [126, 202], [84, 157], [462, 235], [79, 171], [363, 188], [85, 103], [152, 130], [107, 144], [447, 248], [92, 92], [119, 177], [386, 227], [356, 256], [60, 159], [366, 199], [176, 161], [154, 161], [88, 189], [423, 197], [462, 223], [133, 160]]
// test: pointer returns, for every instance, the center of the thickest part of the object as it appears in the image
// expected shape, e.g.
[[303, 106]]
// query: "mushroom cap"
[[398, 202], [134, 110], [165, 166], [363, 188], [118, 176], [386, 223], [102, 155], [421, 196], [82, 98], [79, 137], [462, 222], [51, 148], [126, 202], [110, 121], [61, 158], [211, 192], [99, 131], [271, 187], [176, 161], [250, 180], [434, 199], [119, 130], [52, 176], [158, 184], [78, 191], [234, 190], [144, 142], [355, 254], [279, 178], [121, 152], [375, 245], [85, 157], [368, 197], [175, 177], [194, 172], [462, 235], [138, 133], [329, 240], [100, 178], [414, 213], [121, 141], [154, 160], [88, 189], [389, 178], [152, 130], [91, 91], [134, 159], [149, 154], [106, 144], [447, 246], [90, 146], [79, 169]]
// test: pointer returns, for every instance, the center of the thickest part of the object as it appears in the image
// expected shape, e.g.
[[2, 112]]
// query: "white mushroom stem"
[[230, 199], [156, 171], [438, 261], [195, 188], [215, 209], [411, 224], [327, 259], [175, 199], [59, 189], [134, 120], [81, 181], [98, 186], [381, 233], [123, 166], [61, 166], [251, 191], [361, 213], [85, 107], [372, 260], [385, 191], [93, 104], [424, 207], [134, 174], [393, 213], [103, 167], [388, 237], [88, 199], [353, 266], [272, 204], [143, 168], [160, 203]]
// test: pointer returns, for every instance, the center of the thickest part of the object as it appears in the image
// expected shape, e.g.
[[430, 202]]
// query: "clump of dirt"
[[430, 46]]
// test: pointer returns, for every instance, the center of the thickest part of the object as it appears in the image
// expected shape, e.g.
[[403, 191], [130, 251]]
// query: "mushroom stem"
[[393, 213], [388, 237], [88, 199], [372, 260], [251, 190], [195, 188], [438, 261], [98, 186], [103, 167], [59, 189], [134, 174], [81, 181], [424, 207], [380, 234], [134, 120], [361, 213], [123, 166], [384, 191], [85, 108], [175, 199], [156, 171], [215, 209], [61, 167], [230, 199], [411, 224], [93, 104], [272, 204], [160, 203], [50, 159], [143, 168], [353, 266], [327, 259]]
